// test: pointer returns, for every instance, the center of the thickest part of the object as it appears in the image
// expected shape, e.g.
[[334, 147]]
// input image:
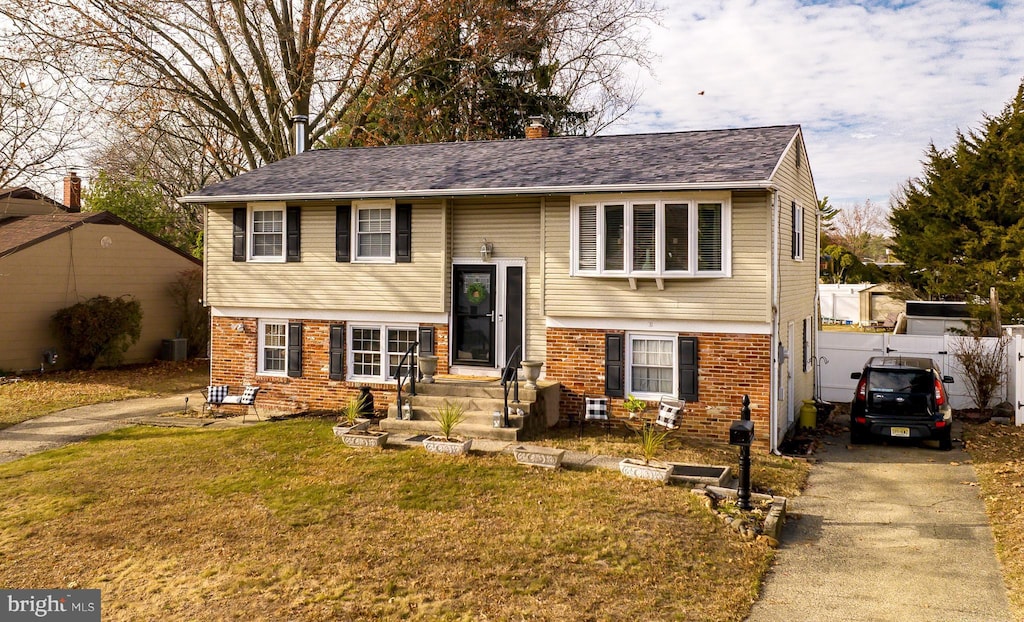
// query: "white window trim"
[[798, 232], [261, 362], [671, 337], [251, 231], [376, 204], [350, 353], [690, 199]]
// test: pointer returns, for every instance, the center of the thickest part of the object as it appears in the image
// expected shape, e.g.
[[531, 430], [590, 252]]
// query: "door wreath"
[[476, 293]]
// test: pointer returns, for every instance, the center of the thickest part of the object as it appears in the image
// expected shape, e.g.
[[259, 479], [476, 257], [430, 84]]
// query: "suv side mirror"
[[855, 375], [947, 379]]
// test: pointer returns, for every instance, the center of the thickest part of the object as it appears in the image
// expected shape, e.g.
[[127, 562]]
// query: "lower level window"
[[273, 347], [372, 345], [652, 365]]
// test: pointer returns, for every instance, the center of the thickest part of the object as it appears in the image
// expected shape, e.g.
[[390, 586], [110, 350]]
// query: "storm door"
[[473, 302]]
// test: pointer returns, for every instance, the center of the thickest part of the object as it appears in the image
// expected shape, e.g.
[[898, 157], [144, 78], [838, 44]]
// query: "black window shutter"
[[295, 349], [292, 226], [688, 369], [337, 352], [426, 339], [403, 233], [238, 218], [614, 358], [343, 233], [792, 215]]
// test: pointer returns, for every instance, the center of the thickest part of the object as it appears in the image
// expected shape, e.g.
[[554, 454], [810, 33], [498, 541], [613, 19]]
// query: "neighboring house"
[[679, 263], [53, 256]]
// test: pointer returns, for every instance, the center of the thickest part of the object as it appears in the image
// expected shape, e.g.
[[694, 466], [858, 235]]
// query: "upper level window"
[[798, 231], [651, 237], [374, 231], [267, 234]]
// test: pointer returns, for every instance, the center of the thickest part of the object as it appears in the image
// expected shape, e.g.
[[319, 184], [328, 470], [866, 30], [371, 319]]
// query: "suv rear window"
[[900, 381]]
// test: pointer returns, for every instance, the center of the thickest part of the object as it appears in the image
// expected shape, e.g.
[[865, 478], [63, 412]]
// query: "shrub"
[[186, 292], [99, 330], [983, 363]]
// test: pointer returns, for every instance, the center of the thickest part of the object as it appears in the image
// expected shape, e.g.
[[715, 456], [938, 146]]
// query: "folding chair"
[[594, 409], [247, 399], [214, 396], [669, 411]]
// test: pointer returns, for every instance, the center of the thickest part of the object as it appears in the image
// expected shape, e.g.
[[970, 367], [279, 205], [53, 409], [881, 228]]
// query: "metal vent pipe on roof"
[[299, 132]]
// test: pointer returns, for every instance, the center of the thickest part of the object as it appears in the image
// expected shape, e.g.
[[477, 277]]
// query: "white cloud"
[[871, 83]]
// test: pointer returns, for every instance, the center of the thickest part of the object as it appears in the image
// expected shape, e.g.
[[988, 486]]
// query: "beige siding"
[[797, 279], [743, 297], [318, 281], [80, 264], [513, 227]]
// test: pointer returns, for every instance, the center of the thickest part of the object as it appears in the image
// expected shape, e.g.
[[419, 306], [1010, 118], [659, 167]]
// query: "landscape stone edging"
[[773, 520]]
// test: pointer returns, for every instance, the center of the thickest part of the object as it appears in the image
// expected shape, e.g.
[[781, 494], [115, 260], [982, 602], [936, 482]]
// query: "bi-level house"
[[680, 264]]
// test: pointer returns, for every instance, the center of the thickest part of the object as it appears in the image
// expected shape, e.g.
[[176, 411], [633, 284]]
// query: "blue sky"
[[872, 83]]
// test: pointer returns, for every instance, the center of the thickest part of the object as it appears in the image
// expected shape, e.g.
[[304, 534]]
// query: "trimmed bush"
[[98, 331]]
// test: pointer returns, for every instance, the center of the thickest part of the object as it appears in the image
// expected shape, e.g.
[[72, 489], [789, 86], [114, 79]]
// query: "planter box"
[[342, 429], [652, 472], [362, 438], [699, 474], [437, 445], [546, 457]]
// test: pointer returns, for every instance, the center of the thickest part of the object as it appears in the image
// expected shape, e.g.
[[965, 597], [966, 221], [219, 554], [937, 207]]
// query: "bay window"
[[652, 238]]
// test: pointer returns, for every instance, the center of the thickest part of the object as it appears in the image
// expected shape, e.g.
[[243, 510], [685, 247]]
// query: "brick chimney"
[[73, 192], [537, 129]]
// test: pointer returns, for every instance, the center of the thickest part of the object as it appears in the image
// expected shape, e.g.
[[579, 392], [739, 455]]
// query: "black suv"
[[901, 397]]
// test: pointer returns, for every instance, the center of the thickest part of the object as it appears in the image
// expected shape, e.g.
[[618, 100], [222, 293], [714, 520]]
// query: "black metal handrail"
[[510, 373], [410, 355]]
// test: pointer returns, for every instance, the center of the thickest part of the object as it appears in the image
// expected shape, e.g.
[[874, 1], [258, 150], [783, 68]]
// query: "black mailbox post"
[[741, 433]]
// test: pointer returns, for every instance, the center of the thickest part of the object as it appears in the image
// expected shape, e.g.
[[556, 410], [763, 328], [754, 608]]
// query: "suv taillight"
[[862, 389], [940, 393]]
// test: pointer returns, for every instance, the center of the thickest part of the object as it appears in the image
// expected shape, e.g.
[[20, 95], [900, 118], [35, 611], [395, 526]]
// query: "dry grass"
[[998, 455], [281, 521], [39, 395]]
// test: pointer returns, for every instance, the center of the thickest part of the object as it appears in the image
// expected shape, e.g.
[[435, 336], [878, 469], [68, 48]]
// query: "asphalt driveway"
[[886, 533]]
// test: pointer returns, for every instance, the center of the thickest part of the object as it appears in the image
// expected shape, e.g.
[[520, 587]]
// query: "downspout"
[[205, 295], [773, 409], [816, 312]]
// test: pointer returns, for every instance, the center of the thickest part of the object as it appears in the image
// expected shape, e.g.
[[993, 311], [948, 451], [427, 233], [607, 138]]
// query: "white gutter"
[[775, 385], [459, 192]]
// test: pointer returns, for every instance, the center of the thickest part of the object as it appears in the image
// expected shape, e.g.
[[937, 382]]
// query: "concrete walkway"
[[77, 424], [886, 533]]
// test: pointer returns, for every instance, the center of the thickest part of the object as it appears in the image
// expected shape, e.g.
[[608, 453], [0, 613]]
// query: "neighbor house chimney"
[[73, 192], [537, 129], [299, 132]]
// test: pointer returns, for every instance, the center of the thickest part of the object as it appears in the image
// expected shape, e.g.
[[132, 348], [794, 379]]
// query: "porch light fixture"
[[486, 250]]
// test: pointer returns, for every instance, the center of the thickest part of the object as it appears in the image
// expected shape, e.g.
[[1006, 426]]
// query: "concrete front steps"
[[480, 398]]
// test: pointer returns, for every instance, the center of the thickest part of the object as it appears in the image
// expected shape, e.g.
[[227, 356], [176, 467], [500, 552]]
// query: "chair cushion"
[[668, 414], [249, 395], [216, 393], [596, 408]]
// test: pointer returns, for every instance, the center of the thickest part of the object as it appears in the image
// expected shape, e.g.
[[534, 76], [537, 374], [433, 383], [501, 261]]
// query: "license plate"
[[901, 432]]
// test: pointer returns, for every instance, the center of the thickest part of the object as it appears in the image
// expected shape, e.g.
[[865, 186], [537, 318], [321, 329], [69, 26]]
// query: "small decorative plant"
[[449, 415], [634, 405], [652, 439], [352, 411]]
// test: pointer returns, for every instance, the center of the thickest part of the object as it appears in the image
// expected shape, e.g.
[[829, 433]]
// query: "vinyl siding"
[[78, 265], [741, 297], [513, 227], [318, 282]]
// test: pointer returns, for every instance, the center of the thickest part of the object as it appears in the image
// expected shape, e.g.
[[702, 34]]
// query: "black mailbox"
[[741, 433]]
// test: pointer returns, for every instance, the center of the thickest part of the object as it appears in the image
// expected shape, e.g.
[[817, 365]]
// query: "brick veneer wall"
[[729, 367], [234, 362]]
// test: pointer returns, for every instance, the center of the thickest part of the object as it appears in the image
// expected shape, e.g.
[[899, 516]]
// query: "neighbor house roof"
[[28, 194], [732, 158], [20, 232]]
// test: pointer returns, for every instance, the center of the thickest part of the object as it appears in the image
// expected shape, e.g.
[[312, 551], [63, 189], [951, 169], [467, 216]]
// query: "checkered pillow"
[[668, 414], [217, 393], [596, 408], [249, 395]]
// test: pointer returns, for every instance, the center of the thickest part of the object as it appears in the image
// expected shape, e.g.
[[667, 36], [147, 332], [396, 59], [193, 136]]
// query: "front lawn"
[[40, 394], [281, 521]]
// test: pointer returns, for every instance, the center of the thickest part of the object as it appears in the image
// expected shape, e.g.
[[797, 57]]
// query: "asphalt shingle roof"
[[21, 231], [725, 157]]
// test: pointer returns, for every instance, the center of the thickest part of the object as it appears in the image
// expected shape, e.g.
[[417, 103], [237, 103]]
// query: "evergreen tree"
[[960, 227]]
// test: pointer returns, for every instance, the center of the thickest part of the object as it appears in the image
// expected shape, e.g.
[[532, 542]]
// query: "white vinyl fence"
[[840, 354]]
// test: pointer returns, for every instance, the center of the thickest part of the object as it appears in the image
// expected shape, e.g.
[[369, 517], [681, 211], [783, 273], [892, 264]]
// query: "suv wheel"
[[858, 436], [946, 439]]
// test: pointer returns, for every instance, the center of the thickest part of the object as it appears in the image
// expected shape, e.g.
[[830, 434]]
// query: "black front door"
[[473, 300]]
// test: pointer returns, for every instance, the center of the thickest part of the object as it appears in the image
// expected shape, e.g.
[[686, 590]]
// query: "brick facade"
[[234, 362], [729, 366]]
